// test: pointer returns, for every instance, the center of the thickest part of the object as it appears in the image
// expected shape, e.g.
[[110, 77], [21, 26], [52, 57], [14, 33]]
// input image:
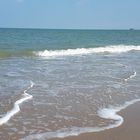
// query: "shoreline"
[[129, 130]]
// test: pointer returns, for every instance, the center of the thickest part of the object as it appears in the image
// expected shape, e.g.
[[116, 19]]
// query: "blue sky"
[[75, 14]]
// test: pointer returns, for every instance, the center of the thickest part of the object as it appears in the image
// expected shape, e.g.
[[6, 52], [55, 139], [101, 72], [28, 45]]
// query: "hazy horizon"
[[66, 28]]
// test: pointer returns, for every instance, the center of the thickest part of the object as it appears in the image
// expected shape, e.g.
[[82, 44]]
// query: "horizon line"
[[68, 28]]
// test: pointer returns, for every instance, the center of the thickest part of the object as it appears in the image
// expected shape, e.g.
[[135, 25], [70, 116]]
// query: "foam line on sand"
[[16, 107]]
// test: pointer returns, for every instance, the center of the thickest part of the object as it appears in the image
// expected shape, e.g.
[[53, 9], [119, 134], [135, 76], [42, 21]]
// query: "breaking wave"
[[70, 52], [85, 51]]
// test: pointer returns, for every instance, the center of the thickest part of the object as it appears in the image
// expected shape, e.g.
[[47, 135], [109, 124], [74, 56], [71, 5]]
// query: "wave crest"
[[85, 51]]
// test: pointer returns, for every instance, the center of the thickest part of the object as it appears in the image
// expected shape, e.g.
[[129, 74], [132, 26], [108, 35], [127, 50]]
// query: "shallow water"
[[75, 91]]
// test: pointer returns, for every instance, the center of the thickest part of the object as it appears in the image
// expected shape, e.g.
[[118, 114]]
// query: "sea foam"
[[85, 51], [105, 113], [16, 107], [131, 76]]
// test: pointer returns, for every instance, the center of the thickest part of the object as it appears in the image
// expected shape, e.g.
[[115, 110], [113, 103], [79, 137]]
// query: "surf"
[[131, 76], [86, 51], [16, 107], [105, 113], [110, 49]]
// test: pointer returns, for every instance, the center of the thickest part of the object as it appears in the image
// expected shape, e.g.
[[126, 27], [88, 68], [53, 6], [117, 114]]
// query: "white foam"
[[105, 113], [111, 113], [16, 107], [131, 76], [85, 51]]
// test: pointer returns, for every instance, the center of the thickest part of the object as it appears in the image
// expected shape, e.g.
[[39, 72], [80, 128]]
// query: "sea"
[[57, 83]]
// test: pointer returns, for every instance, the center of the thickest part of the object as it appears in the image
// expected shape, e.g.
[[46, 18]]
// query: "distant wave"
[[105, 113], [16, 107], [85, 51]]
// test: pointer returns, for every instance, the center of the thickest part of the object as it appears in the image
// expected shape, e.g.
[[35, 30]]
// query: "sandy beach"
[[129, 130]]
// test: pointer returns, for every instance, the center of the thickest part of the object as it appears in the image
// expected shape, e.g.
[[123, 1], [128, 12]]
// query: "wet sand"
[[129, 130]]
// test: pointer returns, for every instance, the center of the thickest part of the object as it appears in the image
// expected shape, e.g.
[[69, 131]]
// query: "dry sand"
[[129, 130]]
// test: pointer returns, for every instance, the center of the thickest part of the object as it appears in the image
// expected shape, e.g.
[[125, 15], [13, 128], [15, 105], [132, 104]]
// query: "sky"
[[70, 14]]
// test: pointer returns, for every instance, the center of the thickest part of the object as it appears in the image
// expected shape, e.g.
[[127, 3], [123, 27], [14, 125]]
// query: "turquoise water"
[[57, 83], [21, 42]]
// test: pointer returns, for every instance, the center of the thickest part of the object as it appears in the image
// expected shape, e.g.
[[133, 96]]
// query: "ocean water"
[[59, 83]]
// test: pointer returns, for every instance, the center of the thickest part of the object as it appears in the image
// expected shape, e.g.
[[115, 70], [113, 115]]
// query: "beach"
[[64, 83], [129, 130]]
